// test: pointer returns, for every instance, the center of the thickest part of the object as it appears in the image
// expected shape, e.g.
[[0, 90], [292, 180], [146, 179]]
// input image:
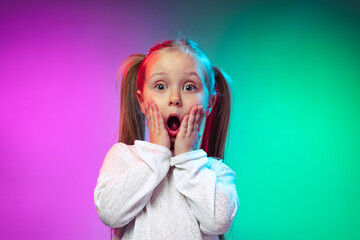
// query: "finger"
[[202, 114], [155, 116], [147, 111], [151, 120], [191, 122], [197, 117], [184, 125], [160, 119]]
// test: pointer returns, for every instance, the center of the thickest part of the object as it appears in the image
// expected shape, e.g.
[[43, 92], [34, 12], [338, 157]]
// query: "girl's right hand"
[[158, 133]]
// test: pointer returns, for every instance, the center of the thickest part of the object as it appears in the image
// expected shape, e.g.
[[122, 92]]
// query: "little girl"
[[175, 186]]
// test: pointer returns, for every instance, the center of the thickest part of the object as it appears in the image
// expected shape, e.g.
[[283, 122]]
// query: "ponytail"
[[217, 123], [132, 121]]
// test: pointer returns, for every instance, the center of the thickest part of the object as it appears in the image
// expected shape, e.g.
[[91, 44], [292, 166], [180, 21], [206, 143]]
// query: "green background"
[[294, 130]]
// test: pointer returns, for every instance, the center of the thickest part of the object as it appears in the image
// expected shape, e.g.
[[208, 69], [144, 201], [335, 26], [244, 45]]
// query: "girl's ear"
[[211, 104], [140, 99]]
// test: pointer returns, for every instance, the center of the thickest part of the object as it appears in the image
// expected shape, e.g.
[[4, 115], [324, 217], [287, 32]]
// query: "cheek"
[[159, 100], [203, 100], [150, 97], [195, 100]]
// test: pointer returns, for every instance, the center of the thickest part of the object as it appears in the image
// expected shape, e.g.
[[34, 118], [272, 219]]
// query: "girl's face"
[[175, 82]]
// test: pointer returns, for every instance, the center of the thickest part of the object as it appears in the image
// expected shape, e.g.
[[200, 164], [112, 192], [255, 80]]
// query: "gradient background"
[[294, 134]]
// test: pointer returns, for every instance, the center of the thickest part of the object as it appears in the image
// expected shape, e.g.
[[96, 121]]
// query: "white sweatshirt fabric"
[[145, 193]]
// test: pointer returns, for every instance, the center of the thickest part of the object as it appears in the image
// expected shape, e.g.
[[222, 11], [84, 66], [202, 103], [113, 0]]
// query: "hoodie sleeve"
[[127, 178], [209, 188]]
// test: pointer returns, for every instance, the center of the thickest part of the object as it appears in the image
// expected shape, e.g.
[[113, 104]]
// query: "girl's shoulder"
[[215, 162], [218, 165], [120, 155], [121, 148]]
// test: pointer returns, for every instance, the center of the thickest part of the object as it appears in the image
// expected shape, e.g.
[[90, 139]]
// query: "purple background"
[[60, 107]]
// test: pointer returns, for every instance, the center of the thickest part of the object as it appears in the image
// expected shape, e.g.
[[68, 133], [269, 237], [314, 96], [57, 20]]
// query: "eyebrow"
[[160, 73], [194, 73], [164, 73]]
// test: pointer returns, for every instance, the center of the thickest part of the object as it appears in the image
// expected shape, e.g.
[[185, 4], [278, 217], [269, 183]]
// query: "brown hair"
[[217, 123], [132, 120]]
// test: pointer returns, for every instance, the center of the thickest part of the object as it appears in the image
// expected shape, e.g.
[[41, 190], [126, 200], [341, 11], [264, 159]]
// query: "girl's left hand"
[[188, 136]]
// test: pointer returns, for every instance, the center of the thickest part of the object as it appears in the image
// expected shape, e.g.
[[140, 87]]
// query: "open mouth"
[[173, 125]]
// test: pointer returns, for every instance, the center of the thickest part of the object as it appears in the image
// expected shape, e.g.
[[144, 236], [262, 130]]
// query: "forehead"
[[173, 62]]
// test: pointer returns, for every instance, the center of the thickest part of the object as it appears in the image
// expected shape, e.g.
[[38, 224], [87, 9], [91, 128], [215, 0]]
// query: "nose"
[[174, 100]]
